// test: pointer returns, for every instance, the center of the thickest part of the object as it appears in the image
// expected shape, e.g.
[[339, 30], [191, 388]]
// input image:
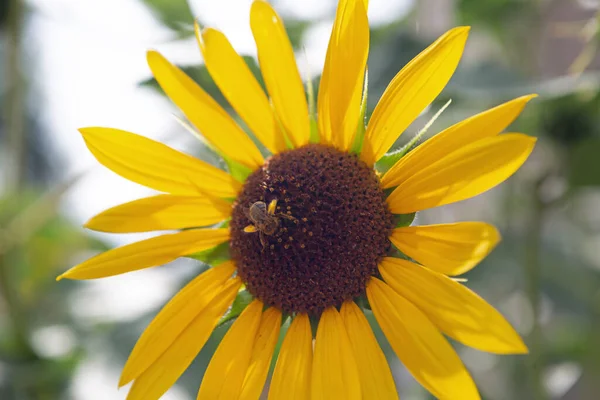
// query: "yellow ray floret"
[[225, 374], [334, 373], [175, 317], [291, 377], [163, 373], [262, 353], [204, 112], [162, 212], [486, 124], [240, 87], [279, 70], [376, 381], [462, 174], [147, 253], [450, 249], [156, 165], [454, 309], [342, 80], [419, 344], [411, 90]]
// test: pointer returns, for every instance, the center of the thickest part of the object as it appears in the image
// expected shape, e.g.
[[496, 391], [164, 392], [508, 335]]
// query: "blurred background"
[[65, 64]]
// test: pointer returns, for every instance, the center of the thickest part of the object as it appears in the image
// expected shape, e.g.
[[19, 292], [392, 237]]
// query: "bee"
[[264, 219]]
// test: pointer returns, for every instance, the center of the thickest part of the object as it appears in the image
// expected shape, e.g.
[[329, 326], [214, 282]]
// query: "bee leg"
[[287, 216], [263, 239], [250, 229]]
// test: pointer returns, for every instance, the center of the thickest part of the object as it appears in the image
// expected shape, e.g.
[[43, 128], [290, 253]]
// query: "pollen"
[[333, 228]]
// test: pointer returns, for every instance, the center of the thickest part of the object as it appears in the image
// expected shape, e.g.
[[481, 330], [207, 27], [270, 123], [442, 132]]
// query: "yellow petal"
[[147, 253], [264, 346], [341, 84], [451, 249], [462, 174], [204, 112], [419, 345], [225, 374], [279, 70], [174, 318], [485, 124], [155, 165], [411, 90], [376, 381], [162, 373], [452, 307], [240, 87], [334, 373], [291, 378], [162, 212]]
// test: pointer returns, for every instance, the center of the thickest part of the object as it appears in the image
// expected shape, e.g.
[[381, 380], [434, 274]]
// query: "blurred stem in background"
[[15, 169], [532, 270], [15, 157], [9, 296], [14, 101]]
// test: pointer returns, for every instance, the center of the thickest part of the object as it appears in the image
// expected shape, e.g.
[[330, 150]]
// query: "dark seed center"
[[336, 231]]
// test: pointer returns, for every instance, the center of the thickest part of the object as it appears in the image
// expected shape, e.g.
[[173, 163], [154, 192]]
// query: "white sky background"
[[90, 57]]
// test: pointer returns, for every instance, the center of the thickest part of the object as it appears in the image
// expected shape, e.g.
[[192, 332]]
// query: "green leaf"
[[175, 14], [296, 29], [239, 304], [213, 256], [585, 163], [402, 220]]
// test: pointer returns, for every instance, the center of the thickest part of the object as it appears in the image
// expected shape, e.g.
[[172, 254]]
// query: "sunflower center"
[[322, 241]]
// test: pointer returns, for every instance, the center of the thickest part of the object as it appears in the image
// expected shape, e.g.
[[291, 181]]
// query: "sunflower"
[[313, 224]]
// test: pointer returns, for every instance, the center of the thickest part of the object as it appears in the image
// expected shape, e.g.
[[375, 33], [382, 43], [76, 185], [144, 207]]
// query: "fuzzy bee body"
[[264, 219]]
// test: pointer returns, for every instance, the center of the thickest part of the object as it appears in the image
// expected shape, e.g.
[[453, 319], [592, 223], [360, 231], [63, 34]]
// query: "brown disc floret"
[[336, 231]]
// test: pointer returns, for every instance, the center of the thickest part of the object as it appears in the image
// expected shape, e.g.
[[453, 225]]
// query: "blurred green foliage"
[[36, 243], [174, 14]]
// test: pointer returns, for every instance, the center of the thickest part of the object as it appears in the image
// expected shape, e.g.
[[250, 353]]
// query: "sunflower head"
[[312, 229], [333, 228]]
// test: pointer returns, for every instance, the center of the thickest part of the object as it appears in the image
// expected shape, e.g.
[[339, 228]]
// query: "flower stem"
[[14, 310], [14, 100], [532, 271]]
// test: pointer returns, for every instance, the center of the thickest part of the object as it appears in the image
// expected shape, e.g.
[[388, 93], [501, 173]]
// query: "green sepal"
[[363, 302], [388, 160], [238, 171], [242, 300], [359, 137], [314, 325], [403, 220], [213, 256], [314, 130], [312, 112], [222, 224]]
